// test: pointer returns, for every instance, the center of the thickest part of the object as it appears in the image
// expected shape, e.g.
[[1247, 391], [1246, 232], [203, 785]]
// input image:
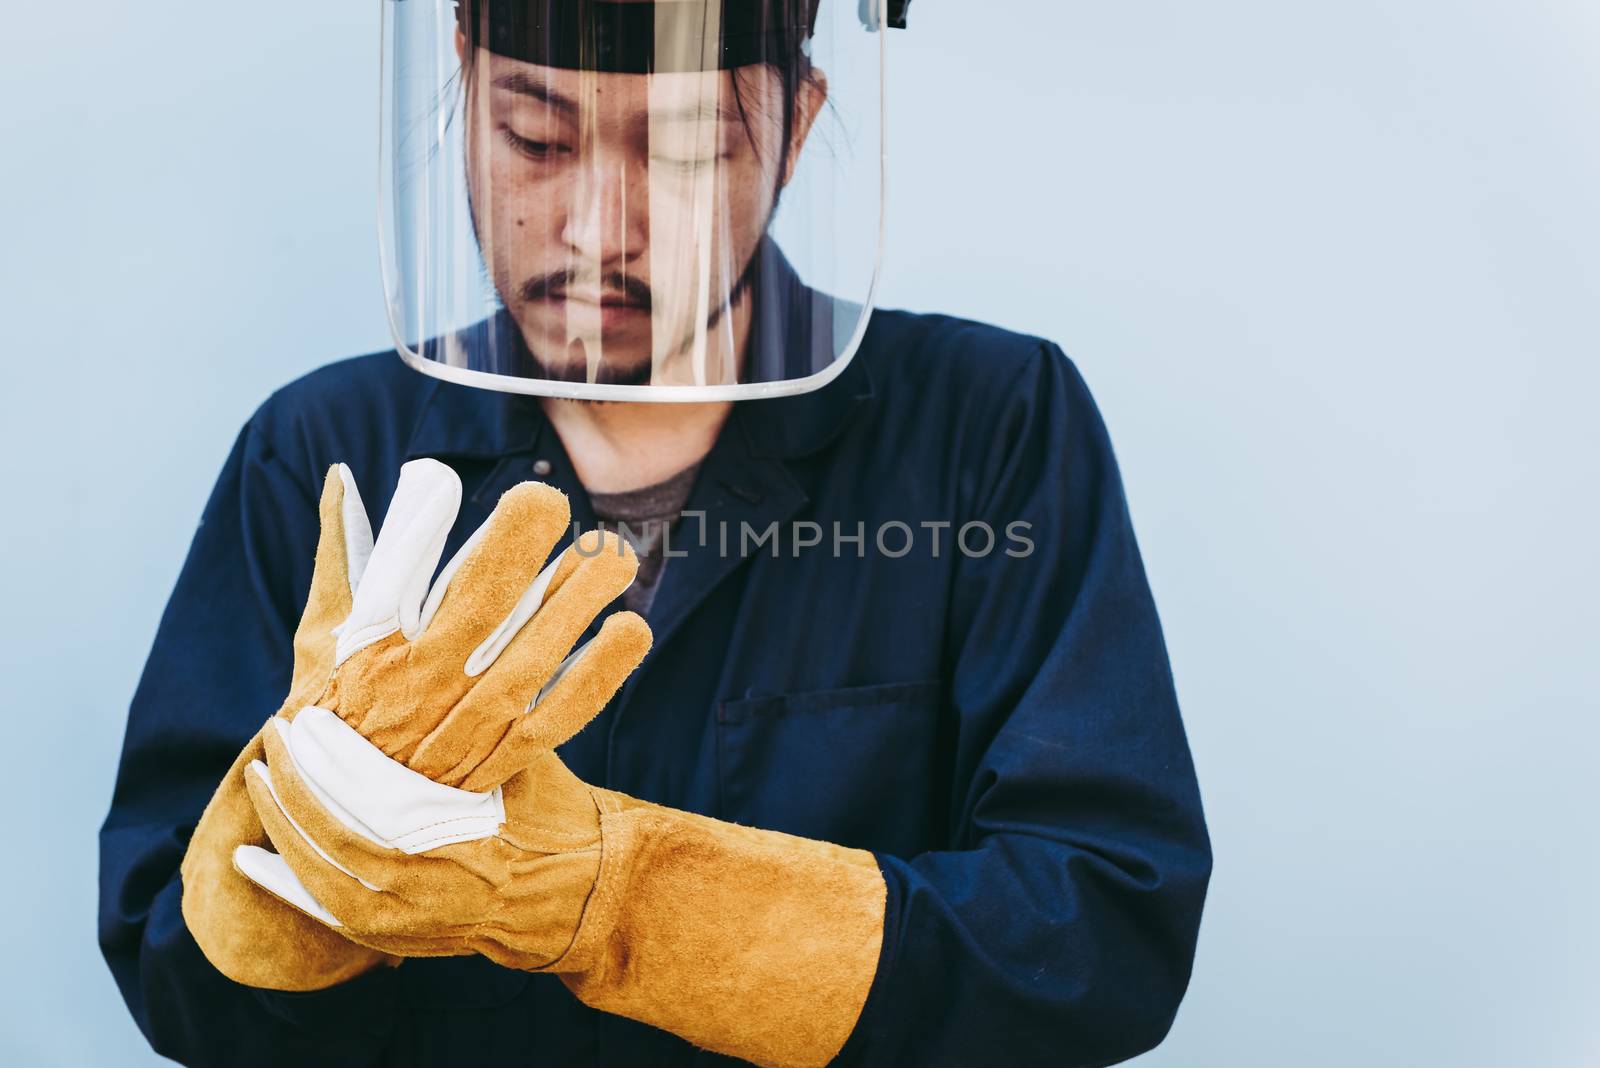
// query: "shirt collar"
[[804, 423], [465, 421]]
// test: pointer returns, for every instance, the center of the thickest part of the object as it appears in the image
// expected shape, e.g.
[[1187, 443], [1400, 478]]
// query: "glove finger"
[[419, 910], [343, 546], [232, 920], [272, 873], [566, 705], [602, 567], [343, 870], [385, 803], [388, 597], [485, 581], [369, 817], [285, 809]]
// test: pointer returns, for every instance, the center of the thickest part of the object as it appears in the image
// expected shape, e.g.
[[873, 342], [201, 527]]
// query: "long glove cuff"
[[747, 942]]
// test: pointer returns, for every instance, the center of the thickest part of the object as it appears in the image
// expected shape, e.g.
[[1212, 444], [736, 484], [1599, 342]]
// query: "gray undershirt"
[[644, 516]]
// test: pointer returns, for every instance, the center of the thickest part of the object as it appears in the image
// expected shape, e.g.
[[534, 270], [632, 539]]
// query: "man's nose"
[[608, 219]]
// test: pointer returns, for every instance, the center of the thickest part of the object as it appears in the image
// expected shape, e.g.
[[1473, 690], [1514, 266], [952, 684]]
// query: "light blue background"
[[1333, 271]]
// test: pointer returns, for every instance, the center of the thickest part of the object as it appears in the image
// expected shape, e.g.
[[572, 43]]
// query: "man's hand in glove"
[[748, 942], [437, 681]]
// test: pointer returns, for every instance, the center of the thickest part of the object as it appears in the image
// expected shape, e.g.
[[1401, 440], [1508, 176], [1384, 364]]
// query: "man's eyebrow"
[[523, 85], [517, 82]]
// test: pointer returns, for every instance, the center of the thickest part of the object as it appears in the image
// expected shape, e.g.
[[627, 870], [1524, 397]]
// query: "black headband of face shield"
[[624, 36], [618, 36]]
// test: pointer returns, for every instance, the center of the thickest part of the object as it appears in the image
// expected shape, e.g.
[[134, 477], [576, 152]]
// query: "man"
[[907, 709]]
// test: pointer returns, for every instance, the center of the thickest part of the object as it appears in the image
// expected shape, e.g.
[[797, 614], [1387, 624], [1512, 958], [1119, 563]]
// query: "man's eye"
[[533, 149]]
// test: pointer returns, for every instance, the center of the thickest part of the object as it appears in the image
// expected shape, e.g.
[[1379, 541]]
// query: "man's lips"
[[608, 310], [607, 299]]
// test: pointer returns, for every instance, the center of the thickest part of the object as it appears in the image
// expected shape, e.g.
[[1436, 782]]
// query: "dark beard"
[[576, 370]]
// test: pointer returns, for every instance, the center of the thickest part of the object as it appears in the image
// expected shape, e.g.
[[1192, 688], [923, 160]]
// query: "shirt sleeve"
[[219, 667], [1059, 927]]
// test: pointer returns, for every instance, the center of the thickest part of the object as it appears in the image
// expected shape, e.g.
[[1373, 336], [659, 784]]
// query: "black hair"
[[769, 34], [795, 72]]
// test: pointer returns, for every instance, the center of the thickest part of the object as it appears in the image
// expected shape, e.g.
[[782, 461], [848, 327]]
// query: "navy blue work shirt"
[[997, 724]]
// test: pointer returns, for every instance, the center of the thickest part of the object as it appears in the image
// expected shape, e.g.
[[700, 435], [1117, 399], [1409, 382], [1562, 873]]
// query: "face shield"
[[677, 200]]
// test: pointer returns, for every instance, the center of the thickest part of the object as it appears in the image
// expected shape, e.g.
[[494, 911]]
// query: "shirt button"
[[541, 467]]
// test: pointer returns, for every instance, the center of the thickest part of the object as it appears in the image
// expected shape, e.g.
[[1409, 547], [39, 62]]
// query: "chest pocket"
[[864, 766]]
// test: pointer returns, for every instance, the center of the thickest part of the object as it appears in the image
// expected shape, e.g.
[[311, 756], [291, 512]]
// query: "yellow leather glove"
[[438, 684], [747, 942]]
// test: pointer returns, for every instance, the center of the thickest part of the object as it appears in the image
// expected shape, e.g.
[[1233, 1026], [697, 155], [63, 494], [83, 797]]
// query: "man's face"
[[618, 213]]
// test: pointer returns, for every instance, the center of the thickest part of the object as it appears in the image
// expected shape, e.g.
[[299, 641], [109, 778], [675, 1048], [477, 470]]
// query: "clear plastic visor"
[[632, 200]]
